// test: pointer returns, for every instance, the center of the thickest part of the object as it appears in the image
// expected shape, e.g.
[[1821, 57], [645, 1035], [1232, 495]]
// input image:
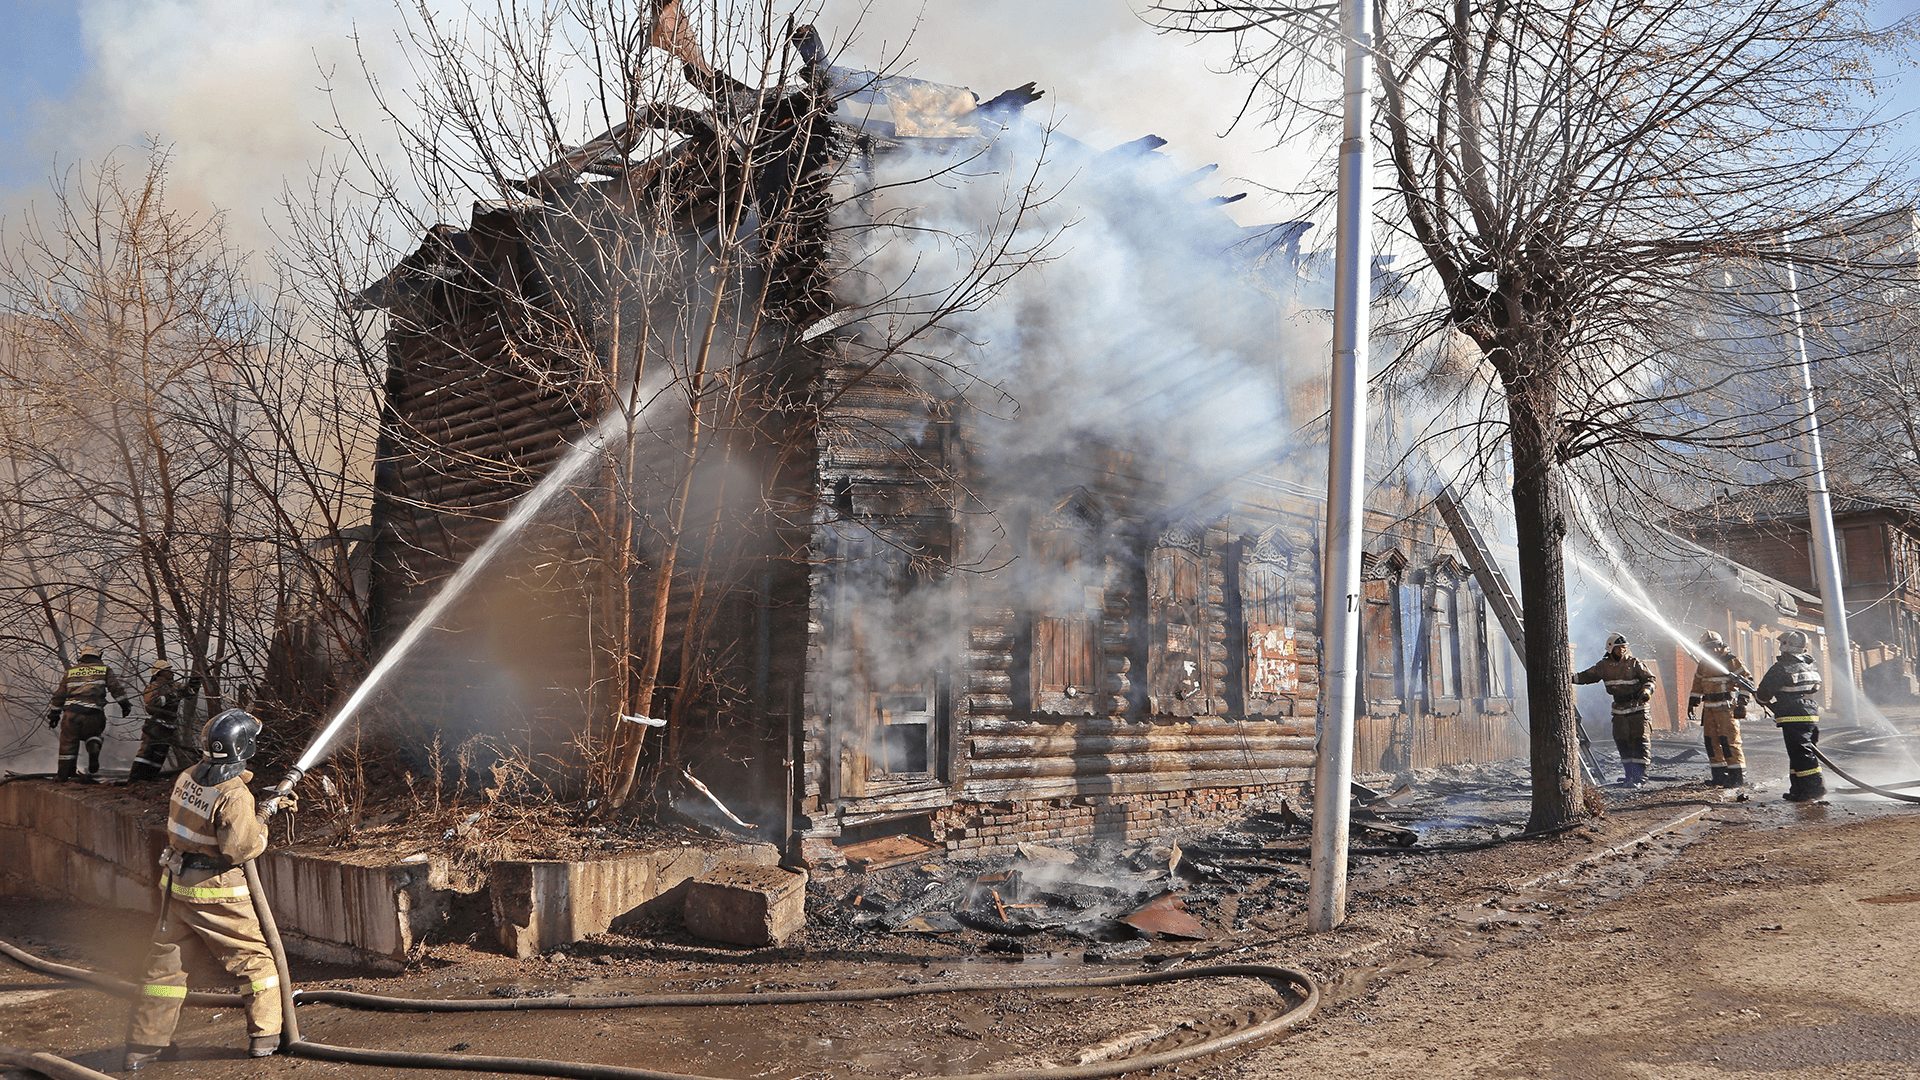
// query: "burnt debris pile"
[[1184, 887]]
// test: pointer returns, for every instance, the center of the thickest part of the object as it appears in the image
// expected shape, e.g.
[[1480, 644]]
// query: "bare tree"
[[1586, 182], [1865, 341], [175, 483]]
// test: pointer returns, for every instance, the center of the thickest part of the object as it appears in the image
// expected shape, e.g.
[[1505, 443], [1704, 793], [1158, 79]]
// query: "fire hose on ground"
[[1747, 685], [1862, 784], [292, 1044]]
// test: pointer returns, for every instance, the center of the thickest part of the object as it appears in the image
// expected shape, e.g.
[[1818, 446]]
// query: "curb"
[[1617, 849]]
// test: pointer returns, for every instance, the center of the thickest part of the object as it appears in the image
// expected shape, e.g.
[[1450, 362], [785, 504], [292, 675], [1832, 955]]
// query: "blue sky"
[[41, 58]]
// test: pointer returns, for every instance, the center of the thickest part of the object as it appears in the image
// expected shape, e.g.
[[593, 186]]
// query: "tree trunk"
[[1540, 527], [626, 759]]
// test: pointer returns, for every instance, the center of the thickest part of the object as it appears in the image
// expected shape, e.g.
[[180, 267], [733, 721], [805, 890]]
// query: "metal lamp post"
[[1340, 600]]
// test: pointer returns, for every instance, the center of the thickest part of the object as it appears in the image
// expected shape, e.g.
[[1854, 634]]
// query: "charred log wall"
[[469, 424]]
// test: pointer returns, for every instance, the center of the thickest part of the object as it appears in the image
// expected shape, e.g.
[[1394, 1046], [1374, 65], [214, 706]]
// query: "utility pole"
[[1340, 600], [1826, 549]]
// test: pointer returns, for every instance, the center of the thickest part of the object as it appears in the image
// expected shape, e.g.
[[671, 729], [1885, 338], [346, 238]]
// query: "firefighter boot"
[[93, 756], [1806, 788], [139, 1056], [1736, 778], [1636, 774], [263, 1046], [1719, 777]]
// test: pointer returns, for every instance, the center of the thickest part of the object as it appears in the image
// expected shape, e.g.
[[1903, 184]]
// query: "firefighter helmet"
[[162, 665], [1712, 640], [1793, 641], [91, 652], [229, 741], [1616, 641]]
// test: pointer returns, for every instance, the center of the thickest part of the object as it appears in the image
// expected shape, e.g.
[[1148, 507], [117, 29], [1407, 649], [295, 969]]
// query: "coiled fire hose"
[[293, 1045]]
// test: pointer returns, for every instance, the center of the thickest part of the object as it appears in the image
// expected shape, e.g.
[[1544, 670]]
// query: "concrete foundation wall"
[[346, 913], [57, 844], [538, 905], [72, 842], [95, 846]]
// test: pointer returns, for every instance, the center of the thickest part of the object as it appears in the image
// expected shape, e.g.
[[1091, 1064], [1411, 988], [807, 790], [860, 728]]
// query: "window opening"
[[907, 728], [1498, 653], [1176, 584], [1446, 638]]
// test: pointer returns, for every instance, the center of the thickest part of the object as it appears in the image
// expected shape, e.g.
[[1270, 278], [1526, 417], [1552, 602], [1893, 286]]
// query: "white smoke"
[[1110, 78], [1152, 355], [238, 89], [244, 91]]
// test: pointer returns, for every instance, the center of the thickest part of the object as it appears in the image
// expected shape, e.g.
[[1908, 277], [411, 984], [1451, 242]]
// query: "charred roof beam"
[[610, 149]]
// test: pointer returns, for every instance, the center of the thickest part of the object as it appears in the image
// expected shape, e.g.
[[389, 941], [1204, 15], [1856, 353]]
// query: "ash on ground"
[[1172, 896]]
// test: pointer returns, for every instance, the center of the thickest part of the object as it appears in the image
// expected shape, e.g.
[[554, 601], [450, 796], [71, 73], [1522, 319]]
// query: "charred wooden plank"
[[1124, 726], [1117, 764], [989, 747]]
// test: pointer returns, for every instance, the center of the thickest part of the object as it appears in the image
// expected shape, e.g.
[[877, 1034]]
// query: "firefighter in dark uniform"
[[1790, 688], [213, 826], [1630, 682], [79, 709], [163, 697], [1721, 705]]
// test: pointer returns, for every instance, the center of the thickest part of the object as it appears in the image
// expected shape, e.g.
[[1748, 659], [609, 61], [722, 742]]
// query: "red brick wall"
[[981, 829]]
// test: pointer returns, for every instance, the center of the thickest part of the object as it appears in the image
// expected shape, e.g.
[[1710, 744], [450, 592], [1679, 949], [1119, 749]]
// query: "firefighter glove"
[[53, 718], [278, 802]]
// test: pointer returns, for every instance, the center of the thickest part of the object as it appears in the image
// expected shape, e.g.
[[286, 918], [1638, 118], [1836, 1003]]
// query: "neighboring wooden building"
[[903, 628], [1697, 590], [1765, 527]]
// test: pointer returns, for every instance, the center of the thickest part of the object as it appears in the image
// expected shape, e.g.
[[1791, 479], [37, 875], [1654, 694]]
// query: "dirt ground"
[[1740, 938]]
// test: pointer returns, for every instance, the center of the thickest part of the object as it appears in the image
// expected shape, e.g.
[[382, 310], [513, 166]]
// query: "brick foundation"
[[983, 829]]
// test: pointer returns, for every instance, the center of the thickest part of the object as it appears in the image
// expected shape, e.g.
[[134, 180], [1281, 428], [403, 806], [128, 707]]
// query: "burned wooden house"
[[1035, 560]]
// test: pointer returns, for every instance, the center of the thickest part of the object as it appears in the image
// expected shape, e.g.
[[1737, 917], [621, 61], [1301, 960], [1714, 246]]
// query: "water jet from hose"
[[523, 513]]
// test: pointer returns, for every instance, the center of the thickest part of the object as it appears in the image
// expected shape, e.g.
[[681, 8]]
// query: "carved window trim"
[[1383, 659]]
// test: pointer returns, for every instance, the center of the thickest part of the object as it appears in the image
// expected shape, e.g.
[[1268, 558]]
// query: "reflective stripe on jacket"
[[1791, 687], [1714, 687], [1626, 678], [220, 822], [88, 684]]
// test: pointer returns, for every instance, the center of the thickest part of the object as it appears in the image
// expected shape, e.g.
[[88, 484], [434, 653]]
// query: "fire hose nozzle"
[[280, 791]]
